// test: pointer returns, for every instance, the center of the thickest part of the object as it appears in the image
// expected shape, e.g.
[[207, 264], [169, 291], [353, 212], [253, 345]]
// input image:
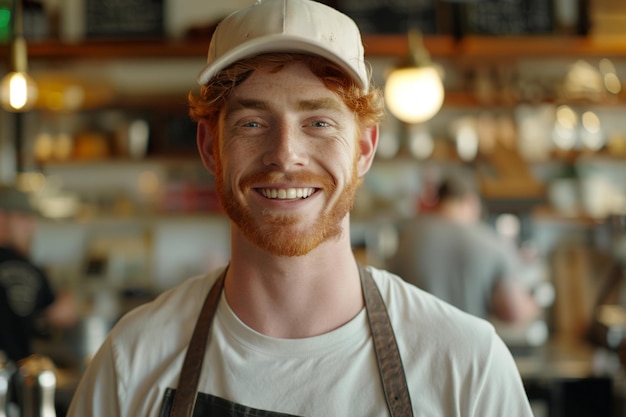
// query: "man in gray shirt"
[[452, 254]]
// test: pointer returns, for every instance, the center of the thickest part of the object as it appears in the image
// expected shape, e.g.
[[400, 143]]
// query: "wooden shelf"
[[541, 47], [398, 45], [136, 49], [442, 46], [550, 214], [468, 99]]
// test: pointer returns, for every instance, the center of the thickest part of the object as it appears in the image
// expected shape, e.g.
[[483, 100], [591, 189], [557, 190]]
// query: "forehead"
[[293, 76], [292, 86]]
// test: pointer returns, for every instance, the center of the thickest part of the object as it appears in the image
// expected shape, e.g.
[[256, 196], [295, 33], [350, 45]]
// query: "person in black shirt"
[[25, 290]]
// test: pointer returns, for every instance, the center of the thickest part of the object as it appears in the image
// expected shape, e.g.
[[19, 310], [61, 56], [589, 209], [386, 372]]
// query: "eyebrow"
[[248, 104], [319, 104], [302, 105]]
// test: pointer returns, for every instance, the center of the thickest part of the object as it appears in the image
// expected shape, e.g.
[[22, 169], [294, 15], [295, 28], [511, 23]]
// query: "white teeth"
[[286, 193]]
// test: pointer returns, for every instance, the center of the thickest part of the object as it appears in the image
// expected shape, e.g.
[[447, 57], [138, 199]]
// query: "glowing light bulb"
[[18, 92], [414, 94]]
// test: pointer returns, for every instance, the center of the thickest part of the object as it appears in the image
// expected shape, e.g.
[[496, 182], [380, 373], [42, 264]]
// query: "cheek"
[[241, 148], [235, 162], [341, 158], [234, 154]]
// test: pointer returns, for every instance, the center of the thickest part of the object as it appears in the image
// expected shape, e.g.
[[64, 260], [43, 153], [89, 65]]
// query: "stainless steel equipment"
[[7, 371], [36, 387]]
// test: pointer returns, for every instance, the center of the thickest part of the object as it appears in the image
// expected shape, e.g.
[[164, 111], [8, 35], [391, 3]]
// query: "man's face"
[[287, 167], [17, 229]]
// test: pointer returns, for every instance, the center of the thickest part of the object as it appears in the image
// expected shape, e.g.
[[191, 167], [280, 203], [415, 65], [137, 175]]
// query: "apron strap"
[[390, 366], [385, 346], [185, 395]]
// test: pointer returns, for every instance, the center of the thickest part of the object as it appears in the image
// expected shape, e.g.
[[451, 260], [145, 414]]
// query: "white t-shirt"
[[455, 364]]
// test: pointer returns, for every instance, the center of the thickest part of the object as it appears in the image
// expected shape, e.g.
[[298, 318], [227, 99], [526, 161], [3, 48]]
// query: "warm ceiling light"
[[18, 91], [414, 92]]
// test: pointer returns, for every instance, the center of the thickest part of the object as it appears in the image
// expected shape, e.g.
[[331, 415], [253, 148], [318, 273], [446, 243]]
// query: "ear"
[[205, 140], [367, 145]]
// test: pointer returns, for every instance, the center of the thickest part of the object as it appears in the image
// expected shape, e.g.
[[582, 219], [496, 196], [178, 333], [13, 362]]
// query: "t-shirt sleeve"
[[500, 390], [97, 392]]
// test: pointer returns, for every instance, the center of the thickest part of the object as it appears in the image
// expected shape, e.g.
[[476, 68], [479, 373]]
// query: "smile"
[[286, 193]]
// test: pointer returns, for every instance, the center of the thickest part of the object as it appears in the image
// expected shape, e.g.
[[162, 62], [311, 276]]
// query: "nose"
[[285, 149]]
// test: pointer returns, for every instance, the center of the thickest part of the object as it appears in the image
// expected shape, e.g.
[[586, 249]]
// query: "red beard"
[[276, 233]]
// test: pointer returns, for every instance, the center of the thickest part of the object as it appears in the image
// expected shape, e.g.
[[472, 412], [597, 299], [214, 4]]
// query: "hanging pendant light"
[[414, 92], [18, 91]]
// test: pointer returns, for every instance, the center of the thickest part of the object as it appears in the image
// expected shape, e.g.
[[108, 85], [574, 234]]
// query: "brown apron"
[[387, 355]]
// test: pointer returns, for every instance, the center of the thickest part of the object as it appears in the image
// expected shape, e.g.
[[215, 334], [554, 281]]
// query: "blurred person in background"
[[452, 253], [26, 294]]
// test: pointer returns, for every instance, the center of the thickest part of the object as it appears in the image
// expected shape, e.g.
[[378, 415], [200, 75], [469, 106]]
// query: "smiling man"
[[293, 164], [293, 326]]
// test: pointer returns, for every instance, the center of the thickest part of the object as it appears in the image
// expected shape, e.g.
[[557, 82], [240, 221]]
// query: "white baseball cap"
[[304, 26]]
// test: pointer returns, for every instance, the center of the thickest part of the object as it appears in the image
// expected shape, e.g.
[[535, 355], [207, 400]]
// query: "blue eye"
[[320, 123], [251, 124]]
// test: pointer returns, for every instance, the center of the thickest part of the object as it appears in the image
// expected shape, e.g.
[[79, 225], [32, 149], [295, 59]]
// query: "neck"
[[294, 297]]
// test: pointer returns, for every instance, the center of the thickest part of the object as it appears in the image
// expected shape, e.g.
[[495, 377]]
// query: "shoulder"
[[418, 316], [144, 351], [11, 260], [486, 233], [18, 272], [169, 317], [421, 221], [450, 356]]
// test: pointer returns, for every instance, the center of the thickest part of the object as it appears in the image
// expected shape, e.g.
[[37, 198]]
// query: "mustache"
[[309, 179]]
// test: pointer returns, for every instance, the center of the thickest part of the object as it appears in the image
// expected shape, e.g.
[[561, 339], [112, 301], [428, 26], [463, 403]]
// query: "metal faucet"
[[37, 383]]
